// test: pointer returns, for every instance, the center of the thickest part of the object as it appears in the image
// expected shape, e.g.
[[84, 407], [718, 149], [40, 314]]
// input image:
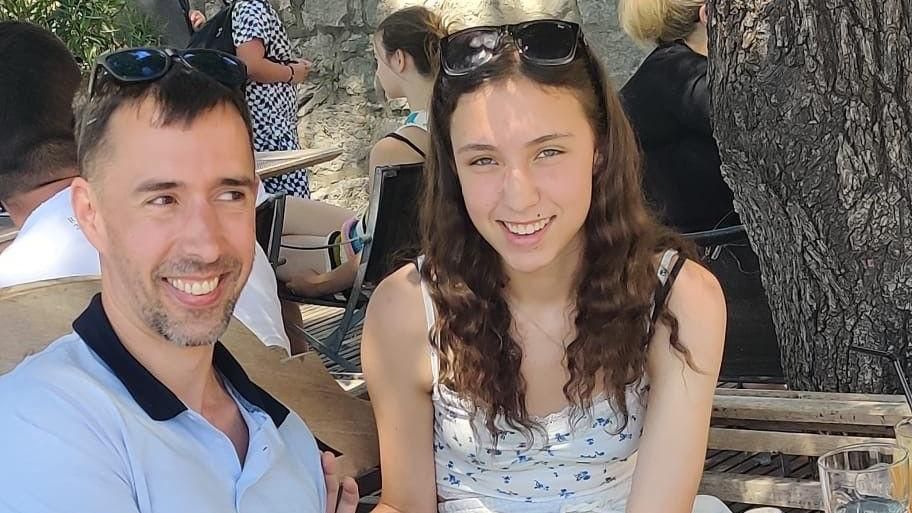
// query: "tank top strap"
[[431, 317], [667, 274], [665, 264]]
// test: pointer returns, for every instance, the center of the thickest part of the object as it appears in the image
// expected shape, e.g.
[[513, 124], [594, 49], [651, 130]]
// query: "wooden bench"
[[763, 444]]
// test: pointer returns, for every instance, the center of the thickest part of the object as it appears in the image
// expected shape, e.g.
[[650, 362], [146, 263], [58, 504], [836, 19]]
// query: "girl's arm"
[[673, 447], [395, 358]]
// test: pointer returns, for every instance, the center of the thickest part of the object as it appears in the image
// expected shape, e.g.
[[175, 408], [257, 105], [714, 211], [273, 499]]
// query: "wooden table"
[[275, 163]]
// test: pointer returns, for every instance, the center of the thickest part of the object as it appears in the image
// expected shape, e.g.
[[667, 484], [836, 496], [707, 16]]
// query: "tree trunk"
[[812, 102]]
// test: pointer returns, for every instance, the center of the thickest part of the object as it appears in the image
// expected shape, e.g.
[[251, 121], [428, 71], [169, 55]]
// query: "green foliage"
[[88, 27]]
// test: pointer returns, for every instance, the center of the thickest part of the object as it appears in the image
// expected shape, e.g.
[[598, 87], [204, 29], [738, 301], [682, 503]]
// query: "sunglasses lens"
[[548, 41], [222, 67], [470, 49], [137, 64]]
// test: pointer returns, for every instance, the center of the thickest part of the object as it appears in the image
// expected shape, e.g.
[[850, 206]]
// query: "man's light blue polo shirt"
[[85, 428]]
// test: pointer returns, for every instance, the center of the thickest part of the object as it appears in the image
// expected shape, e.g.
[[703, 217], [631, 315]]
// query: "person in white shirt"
[[38, 163]]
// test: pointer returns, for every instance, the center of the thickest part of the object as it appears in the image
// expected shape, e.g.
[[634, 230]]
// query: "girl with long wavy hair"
[[555, 350]]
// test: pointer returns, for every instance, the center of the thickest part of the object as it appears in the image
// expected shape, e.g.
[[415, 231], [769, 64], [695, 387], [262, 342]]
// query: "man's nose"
[[202, 233]]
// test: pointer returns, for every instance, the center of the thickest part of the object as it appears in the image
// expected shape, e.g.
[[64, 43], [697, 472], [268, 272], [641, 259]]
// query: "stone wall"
[[338, 105]]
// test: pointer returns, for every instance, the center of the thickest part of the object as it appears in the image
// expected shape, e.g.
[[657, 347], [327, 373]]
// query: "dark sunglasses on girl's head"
[[135, 65], [540, 42]]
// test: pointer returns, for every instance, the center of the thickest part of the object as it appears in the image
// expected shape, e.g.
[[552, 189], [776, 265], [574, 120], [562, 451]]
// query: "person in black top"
[[667, 102], [176, 19]]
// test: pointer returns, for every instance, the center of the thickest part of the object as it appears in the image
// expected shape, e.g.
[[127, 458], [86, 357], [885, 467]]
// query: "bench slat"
[[765, 490], [826, 411], [799, 444], [798, 394]]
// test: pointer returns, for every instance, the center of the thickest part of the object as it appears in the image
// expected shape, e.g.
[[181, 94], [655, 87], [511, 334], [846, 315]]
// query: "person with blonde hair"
[[667, 101]]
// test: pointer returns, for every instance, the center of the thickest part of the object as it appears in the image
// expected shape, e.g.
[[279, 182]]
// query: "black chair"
[[270, 219], [391, 237], [751, 346]]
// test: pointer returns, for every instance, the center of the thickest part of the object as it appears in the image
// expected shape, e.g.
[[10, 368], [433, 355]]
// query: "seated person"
[[667, 101], [555, 349], [38, 164], [141, 409], [405, 48]]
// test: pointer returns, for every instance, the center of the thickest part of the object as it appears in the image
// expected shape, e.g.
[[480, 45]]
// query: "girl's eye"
[[483, 161], [551, 152], [231, 196], [161, 201]]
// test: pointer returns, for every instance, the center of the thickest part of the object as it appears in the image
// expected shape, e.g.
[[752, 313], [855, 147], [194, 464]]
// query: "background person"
[[667, 101], [263, 45], [405, 46], [176, 19]]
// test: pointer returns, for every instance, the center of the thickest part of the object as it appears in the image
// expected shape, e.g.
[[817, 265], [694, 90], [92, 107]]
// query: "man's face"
[[171, 212]]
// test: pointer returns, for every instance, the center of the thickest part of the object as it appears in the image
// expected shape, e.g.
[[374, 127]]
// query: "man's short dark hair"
[[38, 79], [181, 96]]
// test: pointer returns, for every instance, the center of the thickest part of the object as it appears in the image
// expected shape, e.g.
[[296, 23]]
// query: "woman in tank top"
[[555, 350], [405, 46]]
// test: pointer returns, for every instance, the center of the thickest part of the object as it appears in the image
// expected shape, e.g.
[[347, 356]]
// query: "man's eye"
[[161, 201], [231, 196]]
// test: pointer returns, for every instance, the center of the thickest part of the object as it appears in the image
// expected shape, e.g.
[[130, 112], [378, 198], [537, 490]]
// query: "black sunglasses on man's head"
[[135, 65], [539, 42]]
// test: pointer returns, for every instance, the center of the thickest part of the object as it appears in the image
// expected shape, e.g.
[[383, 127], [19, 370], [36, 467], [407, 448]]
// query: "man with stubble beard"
[[141, 409]]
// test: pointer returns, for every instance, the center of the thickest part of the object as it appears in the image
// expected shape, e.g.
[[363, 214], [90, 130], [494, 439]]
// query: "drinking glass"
[[903, 430], [865, 478]]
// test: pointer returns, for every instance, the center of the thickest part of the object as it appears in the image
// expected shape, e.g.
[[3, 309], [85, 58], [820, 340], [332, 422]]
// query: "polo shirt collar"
[[157, 400]]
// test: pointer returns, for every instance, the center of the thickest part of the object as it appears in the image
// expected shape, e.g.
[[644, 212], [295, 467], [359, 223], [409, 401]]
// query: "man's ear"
[[704, 14], [85, 207]]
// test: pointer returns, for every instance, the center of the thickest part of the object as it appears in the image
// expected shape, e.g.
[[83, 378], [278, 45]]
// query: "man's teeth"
[[195, 288], [527, 228]]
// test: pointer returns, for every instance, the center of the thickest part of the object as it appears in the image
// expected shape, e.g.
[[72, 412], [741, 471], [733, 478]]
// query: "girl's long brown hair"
[[480, 359]]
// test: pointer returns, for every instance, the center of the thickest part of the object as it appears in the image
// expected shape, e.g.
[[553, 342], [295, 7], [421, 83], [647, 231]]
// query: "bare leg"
[[310, 217], [298, 262], [294, 323], [306, 272], [312, 284]]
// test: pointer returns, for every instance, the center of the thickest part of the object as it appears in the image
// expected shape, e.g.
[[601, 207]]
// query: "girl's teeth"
[[526, 229]]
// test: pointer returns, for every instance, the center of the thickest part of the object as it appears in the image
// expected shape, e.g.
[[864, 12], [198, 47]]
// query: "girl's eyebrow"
[[488, 147]]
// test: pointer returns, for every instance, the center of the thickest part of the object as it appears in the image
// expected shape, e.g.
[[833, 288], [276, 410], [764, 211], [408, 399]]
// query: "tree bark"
[[812, 106]]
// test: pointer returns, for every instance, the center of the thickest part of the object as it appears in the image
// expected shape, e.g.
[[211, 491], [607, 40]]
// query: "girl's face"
[[387, 77], [524, 156]]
